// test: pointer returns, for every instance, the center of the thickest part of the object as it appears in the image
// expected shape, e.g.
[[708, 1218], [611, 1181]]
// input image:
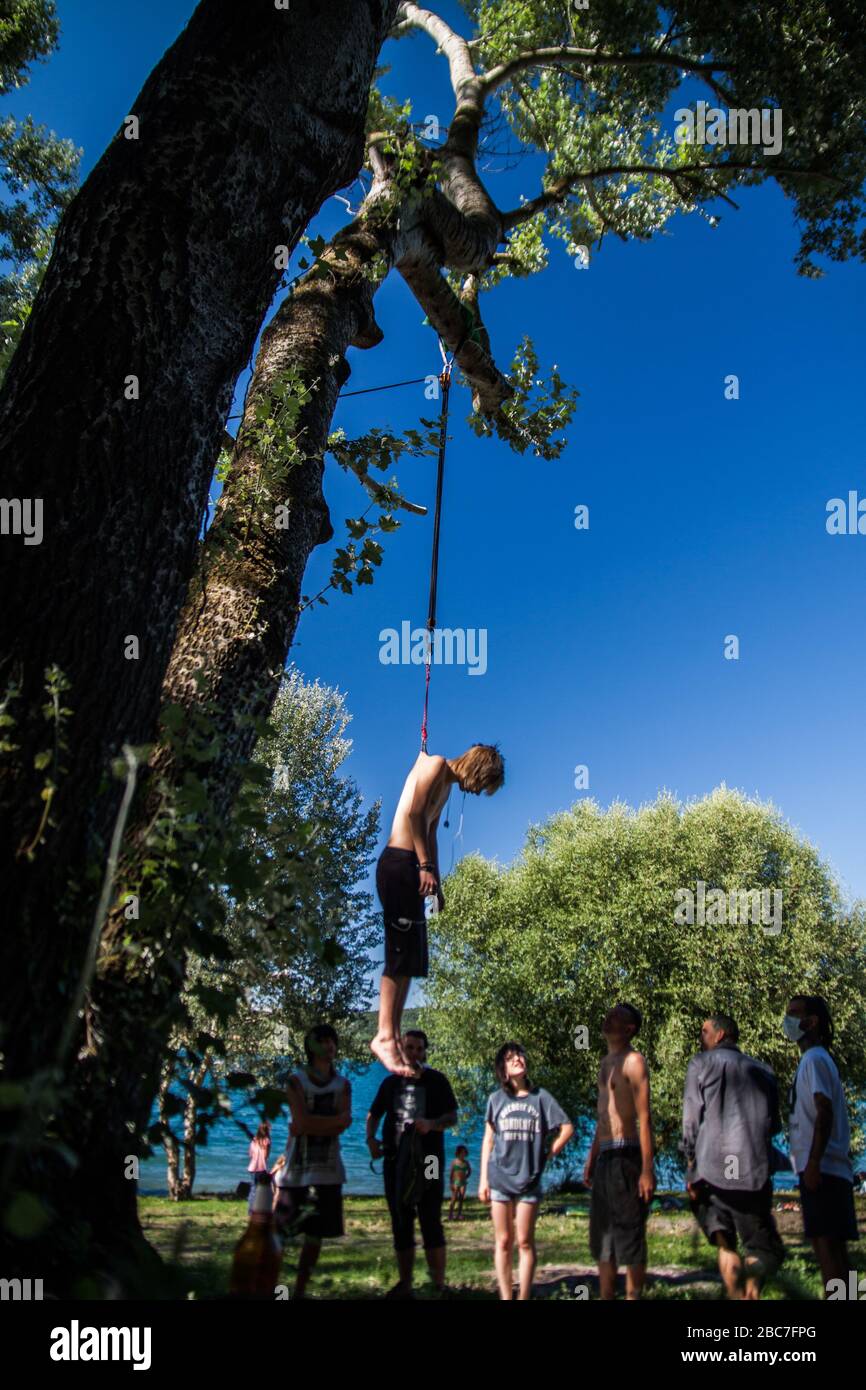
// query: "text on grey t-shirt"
[[522, 1125]]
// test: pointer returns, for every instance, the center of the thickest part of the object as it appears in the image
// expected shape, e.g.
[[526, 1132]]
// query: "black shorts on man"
[[398, 883], [617, 1212], [742, 1215], [829, 1210]]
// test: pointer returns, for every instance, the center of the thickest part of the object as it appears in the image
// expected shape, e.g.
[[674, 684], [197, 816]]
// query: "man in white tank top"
[[310, 1201]]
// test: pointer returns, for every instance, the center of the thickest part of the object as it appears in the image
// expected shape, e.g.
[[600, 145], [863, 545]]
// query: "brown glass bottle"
[[258, 1254]]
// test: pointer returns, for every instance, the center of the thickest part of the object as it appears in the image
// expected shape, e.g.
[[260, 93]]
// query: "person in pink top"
[[260, 1149]]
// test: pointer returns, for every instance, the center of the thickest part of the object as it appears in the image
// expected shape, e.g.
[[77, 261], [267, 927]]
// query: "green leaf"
[[173, 718], [26, 1216], [12, 1095]]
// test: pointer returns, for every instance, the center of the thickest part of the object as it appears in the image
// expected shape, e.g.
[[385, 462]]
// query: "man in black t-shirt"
[[417, 1110]]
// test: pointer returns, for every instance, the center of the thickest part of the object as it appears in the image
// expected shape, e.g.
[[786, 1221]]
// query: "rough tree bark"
[[163, 270]]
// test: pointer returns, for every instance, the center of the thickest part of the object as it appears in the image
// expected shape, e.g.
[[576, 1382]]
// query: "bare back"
[[617, 1114], [424, 793]]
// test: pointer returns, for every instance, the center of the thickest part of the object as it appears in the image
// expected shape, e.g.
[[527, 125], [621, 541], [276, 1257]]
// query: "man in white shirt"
[[821, 1138]]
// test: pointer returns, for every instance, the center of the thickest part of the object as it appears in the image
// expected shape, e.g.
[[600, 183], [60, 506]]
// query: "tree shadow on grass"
[[557, 1284]]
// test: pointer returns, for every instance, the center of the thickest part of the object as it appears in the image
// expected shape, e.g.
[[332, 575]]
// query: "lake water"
[[222, 1163]]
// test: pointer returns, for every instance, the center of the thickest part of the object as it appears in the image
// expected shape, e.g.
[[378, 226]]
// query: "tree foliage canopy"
[[29, 30], [38, 170], [592, 89]]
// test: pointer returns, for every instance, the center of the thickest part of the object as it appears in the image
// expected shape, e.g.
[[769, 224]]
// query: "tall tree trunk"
[[188, 1178], [169, 1138], [244, 600], [190, 1116], [163, 269], [189, 1150]]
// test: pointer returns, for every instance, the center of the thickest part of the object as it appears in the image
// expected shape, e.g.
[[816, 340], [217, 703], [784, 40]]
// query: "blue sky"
[[707, 516]]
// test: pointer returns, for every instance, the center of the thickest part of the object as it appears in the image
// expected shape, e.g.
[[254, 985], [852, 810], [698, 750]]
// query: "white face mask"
[[793, 1028]]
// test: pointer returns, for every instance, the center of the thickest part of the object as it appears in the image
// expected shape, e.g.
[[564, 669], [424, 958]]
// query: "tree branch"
[[459, 329], [607, 221], [566, 53], [375, 490], [464, 78], [469, 92], [559, 191], [464, 218]]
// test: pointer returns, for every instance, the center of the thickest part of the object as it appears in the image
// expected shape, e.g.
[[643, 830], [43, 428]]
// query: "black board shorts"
[[743, 1215], [617, 1212], [829, 1210], [398, 883]]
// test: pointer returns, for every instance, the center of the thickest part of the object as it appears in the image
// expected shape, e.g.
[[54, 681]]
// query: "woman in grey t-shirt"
[[520, 1118]]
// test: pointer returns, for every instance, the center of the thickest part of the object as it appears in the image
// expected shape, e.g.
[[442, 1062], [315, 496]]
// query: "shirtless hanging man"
[[408, 872]]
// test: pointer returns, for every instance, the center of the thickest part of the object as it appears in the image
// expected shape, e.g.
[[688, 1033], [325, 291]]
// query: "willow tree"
[[589, 90], [111, 419]]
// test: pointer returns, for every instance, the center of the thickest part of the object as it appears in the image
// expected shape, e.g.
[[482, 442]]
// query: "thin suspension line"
[[366, 390], [445, 380], [416, 381]]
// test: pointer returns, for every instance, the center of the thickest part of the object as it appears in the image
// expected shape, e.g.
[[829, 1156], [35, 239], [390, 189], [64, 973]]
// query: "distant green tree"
[[587, 916], [290, 969], [39, 171], [317, 965], [29, 30]]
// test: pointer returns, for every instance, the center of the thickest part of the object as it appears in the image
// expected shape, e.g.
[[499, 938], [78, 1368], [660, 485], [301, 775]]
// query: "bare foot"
[[386, 1051], [412, 1068]]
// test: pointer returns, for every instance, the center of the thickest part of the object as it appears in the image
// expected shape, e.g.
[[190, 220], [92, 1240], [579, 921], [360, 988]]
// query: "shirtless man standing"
[[619, 1167], [408, 872]]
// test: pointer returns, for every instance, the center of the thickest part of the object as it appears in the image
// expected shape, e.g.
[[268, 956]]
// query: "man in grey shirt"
[[730, 1114]]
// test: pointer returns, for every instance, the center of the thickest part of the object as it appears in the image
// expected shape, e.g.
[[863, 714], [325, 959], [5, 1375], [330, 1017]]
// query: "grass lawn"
[[198, 1237]]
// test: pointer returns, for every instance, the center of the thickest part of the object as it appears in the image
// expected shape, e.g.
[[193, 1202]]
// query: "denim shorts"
[[532, 1195]]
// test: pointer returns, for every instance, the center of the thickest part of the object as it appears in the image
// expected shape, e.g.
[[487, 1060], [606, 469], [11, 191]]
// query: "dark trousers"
[[428, 1211]]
